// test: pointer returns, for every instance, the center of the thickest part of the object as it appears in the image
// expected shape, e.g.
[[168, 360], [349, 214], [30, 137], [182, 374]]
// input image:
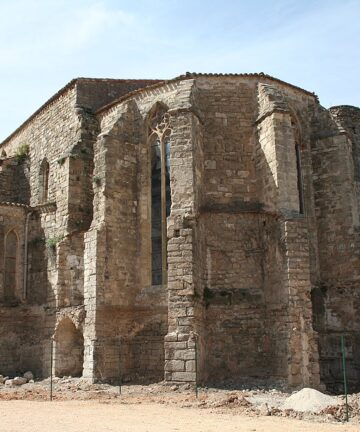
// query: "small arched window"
[[159, 142], [3, 154], [44, 181], [10, 280]]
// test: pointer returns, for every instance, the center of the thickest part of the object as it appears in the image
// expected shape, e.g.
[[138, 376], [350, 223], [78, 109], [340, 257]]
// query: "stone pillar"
[[276, 158], [303, 357], [183, 341], [180, 340], [94, 250]]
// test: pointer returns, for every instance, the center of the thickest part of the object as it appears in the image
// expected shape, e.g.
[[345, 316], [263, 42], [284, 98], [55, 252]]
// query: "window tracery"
[[159, 140]]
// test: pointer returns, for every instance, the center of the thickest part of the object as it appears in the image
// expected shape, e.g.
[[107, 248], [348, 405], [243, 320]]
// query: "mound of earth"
[[310, 400]]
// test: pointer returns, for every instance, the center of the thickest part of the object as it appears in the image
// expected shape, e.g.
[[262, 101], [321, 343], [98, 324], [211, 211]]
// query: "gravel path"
[[111, 416]]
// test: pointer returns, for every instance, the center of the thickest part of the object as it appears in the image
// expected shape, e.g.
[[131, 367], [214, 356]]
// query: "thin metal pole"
[[196, 369], [344, 375], [51, 370], [120, 377]]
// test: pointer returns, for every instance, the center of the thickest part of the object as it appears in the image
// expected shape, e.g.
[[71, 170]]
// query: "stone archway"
[[69, 349]]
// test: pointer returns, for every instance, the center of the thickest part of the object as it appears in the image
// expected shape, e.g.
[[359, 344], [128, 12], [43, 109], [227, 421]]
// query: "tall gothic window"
[[299, 179], [300, 185], [44, 181], [11, 250], [159, 133]]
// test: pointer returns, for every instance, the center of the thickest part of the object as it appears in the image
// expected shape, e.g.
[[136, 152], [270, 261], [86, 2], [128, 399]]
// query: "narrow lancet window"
[[299, 179], [44, 181], [156, 230], [159, 132], [300, 185]]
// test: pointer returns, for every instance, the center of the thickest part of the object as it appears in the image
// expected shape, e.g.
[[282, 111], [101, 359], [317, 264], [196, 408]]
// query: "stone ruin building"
[[204, 228]]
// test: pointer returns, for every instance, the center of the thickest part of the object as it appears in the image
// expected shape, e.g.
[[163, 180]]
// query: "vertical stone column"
[[303, 363], [90, 303], [287, 182], [180, 340], [276, 156], [183, 341]]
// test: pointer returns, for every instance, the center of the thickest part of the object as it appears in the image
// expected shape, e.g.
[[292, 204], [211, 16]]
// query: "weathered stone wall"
[[52, 140], [336, 296], [14, 181], [246, 301], [95, 93], [240, 246], [21, 340], [21, 326]]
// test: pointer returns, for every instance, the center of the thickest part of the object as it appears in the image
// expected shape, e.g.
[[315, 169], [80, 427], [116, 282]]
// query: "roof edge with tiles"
[[188, 75], [192, 75], [71, 84]]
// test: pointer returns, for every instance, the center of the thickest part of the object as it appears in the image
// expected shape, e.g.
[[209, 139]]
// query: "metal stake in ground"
[[344, 375], [196, 367], [119, 359], [51, 369]]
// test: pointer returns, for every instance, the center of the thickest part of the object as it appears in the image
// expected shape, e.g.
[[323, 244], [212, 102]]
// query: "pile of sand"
[[309, 399]]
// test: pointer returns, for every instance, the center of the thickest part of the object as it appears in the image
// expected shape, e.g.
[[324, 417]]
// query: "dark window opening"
[[156, 243], [44, 181], [160, 193], [299, 179]]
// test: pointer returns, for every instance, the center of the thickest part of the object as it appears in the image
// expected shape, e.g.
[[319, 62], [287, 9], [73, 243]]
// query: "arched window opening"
[[11, 251], [300, 185], [69, 350], [44, 181], [3, 154], [159, 133]]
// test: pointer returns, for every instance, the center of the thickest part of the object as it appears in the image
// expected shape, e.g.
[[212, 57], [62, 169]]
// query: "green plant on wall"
[[51, 242], [97, 180], [22, 153], [61, 160]]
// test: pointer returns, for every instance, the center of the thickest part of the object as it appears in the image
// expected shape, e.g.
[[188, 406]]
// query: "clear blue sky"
[[45, 43]]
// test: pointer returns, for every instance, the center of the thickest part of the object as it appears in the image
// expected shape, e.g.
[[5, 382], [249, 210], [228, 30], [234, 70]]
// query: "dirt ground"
[[97, 416], [78, 406]]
